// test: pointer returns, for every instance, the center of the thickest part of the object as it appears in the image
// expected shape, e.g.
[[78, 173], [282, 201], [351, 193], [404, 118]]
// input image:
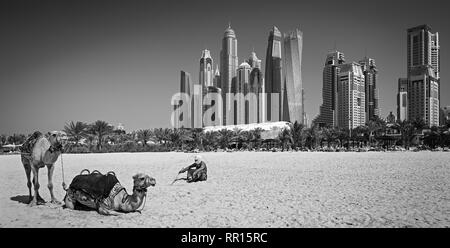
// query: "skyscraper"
[[402, 99], [371, 75], [423, 52], [185, 117], [351, 96], [206, 74], [327, 115], [242, 107], [273, 74], [228, 67], [293, 86], [256, 85], [216, 81]]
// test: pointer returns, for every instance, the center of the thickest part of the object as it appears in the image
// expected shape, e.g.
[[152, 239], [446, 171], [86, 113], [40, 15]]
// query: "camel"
[[37, 152], [117, 201]]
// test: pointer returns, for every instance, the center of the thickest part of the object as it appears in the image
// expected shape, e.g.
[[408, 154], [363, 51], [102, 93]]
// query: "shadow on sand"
[[24, 199]]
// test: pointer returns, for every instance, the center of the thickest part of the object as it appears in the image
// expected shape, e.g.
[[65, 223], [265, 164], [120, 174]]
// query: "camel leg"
[[35, 171], [104, 211], [50, 169], [27, 167]]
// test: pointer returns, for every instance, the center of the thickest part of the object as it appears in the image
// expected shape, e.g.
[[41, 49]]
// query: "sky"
[[120, 61]]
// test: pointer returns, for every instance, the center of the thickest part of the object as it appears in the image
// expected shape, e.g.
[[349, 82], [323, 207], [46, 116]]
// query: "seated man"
[[196, 171]]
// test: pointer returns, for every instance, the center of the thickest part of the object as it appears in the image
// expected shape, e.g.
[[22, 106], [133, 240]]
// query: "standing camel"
[[37, 152]]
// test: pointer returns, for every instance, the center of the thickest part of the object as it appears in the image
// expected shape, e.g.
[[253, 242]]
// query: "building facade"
[[328, 111], [351, 96], [183, 118], [206, 74], [371, 79], [293, 102], [228, 67], [256, 85], [273, 75], [423, 68], [402, 99]]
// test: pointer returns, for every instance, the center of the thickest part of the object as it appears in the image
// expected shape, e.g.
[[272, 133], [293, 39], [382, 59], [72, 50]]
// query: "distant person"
[[197, 171]]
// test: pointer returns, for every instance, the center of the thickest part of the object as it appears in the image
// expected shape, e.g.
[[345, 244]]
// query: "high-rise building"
[[242, 86], [423, 96], [327, 115], [351, 96], [273, 74], [206, 75], [228, 67], [256, 85], [423, 49], [371, 76], [293, 86], [423, 52], [185, 87], [216, 81], [402, 99], [185, 83], [445, 115]]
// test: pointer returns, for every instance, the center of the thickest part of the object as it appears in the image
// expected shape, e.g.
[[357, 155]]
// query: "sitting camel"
[[37, 152], [105, 194]]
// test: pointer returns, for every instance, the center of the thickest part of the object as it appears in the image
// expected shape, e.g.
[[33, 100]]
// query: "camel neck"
[[134, 201]]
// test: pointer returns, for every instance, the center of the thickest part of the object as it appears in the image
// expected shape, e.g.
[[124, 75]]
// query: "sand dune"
[[251, 189]]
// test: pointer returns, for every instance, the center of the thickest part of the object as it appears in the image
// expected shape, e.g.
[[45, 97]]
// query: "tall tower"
[[423, 75], [228, 67], [293, 86], [185, 87], [371, 75], [327, 115], [206, 75], [256, 85], [273, 74], [242, 86], [351, 96], [402, 99], [216, 81]]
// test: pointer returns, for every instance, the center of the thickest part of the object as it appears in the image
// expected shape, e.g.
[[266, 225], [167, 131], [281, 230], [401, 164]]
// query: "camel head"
[[57, 140], [143, 181]]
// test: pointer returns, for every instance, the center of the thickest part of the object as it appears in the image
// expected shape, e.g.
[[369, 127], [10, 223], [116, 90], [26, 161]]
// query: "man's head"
[[198, 159]]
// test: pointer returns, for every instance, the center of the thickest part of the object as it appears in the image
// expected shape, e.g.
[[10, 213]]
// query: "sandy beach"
[[250, 189]]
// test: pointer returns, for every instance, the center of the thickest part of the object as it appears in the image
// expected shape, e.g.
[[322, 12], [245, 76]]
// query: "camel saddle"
[[95, 184]]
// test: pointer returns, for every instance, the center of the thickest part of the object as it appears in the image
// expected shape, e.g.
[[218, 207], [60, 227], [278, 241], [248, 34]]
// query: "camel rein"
[[62, 170]]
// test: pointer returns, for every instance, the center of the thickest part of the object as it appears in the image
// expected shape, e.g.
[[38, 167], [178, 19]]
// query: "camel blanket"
[[97, 185], [28, 145]]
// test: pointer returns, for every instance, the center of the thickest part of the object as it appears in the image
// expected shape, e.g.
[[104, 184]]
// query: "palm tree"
[[100, 129], [16, 139], [237, 137], [144, 135], [225, 137], [159, 135], [329, 134], [211, 140], [76, 131], [419, 124], [341, 135], [197, 136], [372, 127], [3, 139], [297, 130], [406, 129], [285, 138], [257, 137]]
